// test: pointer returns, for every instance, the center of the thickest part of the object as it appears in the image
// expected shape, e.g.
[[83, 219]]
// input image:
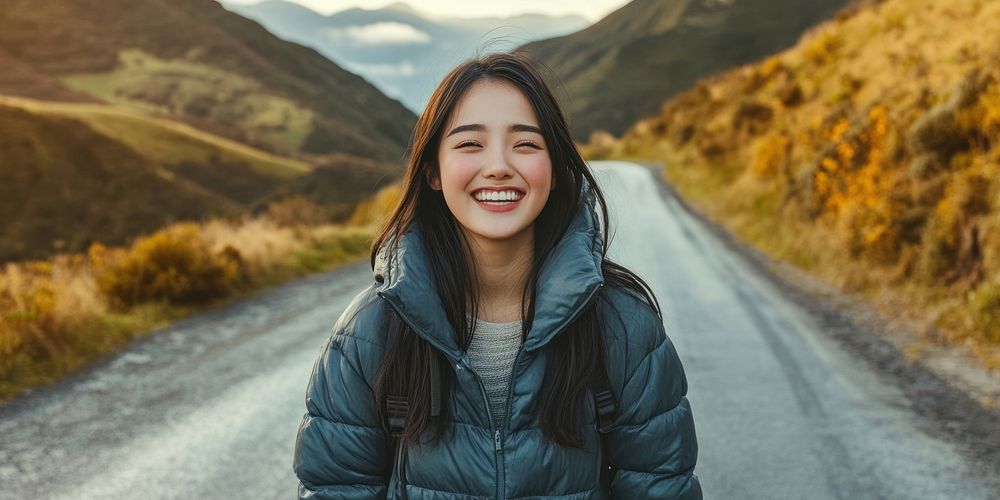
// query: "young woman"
[[498, 352]]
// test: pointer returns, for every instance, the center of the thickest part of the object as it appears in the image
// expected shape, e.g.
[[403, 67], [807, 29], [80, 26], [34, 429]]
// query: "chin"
[[499, 235]]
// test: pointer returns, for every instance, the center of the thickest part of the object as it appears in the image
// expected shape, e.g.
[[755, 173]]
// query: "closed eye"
[[466, 143], [528, 143]]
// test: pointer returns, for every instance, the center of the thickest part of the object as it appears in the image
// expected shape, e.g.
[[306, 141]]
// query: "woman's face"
[[494, 165]]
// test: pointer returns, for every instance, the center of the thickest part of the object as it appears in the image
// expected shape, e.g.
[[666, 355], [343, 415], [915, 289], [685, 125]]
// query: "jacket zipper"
[[497, 443], [500, 465], [498, 437]]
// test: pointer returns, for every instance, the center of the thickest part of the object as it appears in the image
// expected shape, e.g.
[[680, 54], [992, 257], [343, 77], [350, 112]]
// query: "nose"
[[497, 166]]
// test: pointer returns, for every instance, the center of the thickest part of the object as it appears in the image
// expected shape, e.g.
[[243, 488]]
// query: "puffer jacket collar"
[[568, 280]]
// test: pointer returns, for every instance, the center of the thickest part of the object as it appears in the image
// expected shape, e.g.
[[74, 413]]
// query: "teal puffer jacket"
[[340, 449]]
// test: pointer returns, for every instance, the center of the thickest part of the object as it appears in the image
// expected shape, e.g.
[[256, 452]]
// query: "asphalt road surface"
[[209, 407]]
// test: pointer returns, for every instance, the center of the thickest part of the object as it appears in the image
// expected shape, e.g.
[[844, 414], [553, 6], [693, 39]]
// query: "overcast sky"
[[591, 9]]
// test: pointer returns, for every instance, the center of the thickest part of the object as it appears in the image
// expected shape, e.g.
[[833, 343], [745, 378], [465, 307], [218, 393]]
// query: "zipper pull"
[[496, 440]]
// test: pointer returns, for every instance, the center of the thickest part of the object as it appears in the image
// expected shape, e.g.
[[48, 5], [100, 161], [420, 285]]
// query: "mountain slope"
[[72, 182], [621, 68], [118, 117], [195, 61], [867, 154], [75, 173]]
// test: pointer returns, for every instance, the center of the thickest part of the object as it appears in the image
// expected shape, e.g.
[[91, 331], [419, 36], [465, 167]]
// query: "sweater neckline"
[[492, 323]]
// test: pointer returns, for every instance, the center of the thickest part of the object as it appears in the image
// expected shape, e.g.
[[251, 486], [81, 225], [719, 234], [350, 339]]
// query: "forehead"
[[493, 102]]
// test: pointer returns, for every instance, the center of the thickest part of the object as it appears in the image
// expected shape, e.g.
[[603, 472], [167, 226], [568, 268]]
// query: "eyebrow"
[[478, 127]]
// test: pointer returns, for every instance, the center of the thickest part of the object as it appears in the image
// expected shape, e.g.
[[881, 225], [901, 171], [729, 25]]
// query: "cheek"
[[537, 171], [456, 170]]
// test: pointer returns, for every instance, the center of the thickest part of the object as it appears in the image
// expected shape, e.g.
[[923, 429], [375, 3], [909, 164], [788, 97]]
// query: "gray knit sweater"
[[491, 353]]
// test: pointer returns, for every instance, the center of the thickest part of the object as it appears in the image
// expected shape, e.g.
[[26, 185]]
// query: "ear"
[[434, 180]]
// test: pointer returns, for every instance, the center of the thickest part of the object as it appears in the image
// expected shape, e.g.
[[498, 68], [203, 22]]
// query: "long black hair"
[[575, 355]]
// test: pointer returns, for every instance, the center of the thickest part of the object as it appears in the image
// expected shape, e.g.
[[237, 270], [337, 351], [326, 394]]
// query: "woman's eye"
[[466, 143], [528, 143]]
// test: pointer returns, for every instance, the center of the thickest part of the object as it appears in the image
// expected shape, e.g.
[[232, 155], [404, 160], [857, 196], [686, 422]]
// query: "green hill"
[[75, 173], [72, 182], [622, 68], [119, 117], [197, 62]]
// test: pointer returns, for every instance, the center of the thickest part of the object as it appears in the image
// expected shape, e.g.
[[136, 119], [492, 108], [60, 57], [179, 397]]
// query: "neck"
[[502, 267]]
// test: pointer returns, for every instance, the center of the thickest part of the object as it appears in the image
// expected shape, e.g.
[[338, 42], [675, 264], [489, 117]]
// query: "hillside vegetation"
[[194, 61], [623, 67], [868, 154], [76, 173]]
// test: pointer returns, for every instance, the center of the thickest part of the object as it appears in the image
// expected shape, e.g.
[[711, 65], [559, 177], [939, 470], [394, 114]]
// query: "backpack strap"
[[607, 409], [600, 386], [398, 407], [605, 400]]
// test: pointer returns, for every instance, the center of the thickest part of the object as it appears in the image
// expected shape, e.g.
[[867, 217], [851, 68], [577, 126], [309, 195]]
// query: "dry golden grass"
[[262, 244], [374, 210], [57, 315], [869, 154]]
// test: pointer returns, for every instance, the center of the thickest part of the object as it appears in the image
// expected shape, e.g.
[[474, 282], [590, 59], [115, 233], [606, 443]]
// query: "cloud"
[[385, 33], [403, 69]]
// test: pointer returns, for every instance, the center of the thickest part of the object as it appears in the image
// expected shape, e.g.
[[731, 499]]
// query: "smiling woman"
[[498, 352]]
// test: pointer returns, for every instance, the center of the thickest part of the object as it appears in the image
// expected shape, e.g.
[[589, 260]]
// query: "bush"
[[601, 145], [376, 208], [769, 155], [989, 103], [332, 249], [790, 94], [985, 305], [297, 211], [752, 116], [937, 133], [173, 265], [824, 46], [954, 125], [951, 247]]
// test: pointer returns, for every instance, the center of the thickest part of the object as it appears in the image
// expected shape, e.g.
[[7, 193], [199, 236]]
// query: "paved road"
[[208, 408]]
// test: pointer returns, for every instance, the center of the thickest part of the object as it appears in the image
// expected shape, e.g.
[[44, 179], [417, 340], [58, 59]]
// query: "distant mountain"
[[195, 61], [624, 66], [402, 51]]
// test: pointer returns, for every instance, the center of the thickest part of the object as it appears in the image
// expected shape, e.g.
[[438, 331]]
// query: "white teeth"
[[497, 196]]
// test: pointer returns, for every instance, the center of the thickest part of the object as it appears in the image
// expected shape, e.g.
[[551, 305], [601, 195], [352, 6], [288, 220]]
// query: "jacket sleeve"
[[653, 444], [340, 450]]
